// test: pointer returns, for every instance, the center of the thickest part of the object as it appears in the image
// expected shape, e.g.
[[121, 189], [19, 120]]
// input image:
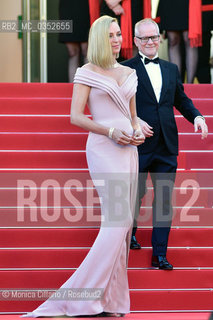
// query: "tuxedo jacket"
[[160, 115]]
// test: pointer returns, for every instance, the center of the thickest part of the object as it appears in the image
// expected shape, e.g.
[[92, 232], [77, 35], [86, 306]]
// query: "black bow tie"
[[156, 60]]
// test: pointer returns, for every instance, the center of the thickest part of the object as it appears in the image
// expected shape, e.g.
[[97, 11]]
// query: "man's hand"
[[200, 124], [146, 129]]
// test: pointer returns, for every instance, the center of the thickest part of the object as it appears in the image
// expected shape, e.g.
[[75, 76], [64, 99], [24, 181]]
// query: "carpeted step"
[[171, 300], [62, 106], [90, 217], [10, 178], [33, 106], [43, 141], [36, 106], [138, 279], [182, 217], [141, 301], [77, 159], [199, 90], [199, 159], [54, 195], [65, 90], [71, 258], [37, 90], [62, 123], [37, 123], [43, 159], [77, 141], [84, 237], [194, 142], [184, 126], [203, 105]]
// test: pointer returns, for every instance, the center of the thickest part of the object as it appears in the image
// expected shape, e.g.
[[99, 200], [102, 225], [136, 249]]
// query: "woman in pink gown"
[[109, 89]]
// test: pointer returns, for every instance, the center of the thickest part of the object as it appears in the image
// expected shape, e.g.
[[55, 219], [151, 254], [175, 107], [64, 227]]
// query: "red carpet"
[[77, 141], [37, 142], [141, 316]]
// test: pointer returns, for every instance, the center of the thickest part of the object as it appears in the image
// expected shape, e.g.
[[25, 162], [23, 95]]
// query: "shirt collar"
[[143, 56]]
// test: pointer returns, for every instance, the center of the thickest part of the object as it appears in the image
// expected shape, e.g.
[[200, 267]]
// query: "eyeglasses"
[[146, 39]]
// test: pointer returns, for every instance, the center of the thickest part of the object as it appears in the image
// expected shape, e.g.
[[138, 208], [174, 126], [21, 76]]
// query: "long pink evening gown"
[[105, 266]]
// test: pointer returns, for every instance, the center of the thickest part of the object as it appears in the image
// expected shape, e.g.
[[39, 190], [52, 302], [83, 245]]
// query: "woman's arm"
[[143, 126], [79, 101], [138, 136]]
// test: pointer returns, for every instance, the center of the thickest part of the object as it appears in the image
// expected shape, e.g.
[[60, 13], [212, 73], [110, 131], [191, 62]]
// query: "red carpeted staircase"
[[41, 247]]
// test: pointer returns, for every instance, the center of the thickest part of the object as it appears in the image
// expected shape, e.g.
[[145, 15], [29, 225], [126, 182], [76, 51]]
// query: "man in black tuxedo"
[[159, 89]]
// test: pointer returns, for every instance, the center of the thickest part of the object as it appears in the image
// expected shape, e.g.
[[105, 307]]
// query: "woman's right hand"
[[121, 137], [138, 138]]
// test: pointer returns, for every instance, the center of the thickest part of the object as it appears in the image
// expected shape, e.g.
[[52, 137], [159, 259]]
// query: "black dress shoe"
[[161, 262], [134, 244]]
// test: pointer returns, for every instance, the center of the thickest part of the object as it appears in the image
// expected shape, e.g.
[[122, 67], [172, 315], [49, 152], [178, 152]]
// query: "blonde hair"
[[147, 21], [99, 48]]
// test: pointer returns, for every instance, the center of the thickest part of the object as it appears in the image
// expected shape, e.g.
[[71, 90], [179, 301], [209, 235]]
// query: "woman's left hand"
[[138, 138]]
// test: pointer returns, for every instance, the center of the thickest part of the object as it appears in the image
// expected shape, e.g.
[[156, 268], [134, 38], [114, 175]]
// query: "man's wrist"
[[199, 117]]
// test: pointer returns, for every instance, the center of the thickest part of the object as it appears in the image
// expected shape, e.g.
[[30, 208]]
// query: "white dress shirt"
[[155, 76]]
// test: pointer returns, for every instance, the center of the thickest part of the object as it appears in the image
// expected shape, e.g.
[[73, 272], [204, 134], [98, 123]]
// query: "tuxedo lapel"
[[165, 78], [143, 78]]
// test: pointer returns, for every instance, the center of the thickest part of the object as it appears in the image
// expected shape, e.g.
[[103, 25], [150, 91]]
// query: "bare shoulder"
[[87, 66], [92, 67], [126, 70]]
